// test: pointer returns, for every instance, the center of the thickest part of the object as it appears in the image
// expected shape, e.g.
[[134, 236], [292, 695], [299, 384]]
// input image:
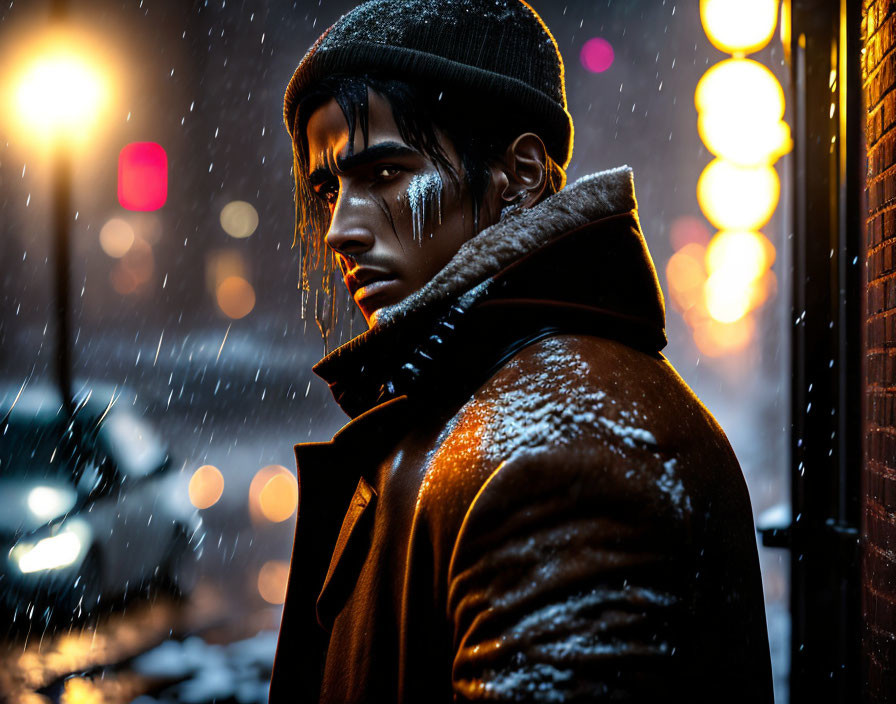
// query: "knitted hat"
[[497, 51]]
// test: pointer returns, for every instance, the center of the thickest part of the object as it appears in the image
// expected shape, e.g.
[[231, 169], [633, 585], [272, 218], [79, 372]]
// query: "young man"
[[528, 504]]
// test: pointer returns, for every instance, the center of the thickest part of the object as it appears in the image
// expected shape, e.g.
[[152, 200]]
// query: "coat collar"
[[393, 355], [521, 232]]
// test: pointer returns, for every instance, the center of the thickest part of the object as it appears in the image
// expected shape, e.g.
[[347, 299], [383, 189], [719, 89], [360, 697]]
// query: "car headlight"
[[48, 502], [50, 553]]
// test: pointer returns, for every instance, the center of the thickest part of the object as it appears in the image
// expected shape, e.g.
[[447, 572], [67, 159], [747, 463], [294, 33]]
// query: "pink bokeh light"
[[597, 55], [142, 176], [688, 230]]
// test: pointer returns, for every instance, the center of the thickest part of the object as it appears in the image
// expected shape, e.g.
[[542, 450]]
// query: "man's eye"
[[328, 194], [386, 172]]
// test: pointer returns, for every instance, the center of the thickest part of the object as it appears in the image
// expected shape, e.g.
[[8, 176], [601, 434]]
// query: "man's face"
[[395, 220]]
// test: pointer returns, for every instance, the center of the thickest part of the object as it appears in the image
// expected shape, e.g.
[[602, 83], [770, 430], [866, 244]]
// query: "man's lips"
[[370, 280]]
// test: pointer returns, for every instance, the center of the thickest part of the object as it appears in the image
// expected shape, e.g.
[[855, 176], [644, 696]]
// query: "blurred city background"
[[187, 311]]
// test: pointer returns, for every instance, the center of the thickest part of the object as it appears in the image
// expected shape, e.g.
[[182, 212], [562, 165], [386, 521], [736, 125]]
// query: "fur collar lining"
[[591, 197]]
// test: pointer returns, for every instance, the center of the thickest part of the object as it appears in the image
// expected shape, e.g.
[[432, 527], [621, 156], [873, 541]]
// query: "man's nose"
[[349, 232]]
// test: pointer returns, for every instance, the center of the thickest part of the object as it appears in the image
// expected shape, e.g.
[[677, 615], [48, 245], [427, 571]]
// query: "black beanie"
[[499, 51]]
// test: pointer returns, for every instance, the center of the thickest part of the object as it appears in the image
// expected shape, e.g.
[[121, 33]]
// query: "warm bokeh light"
[[741, 104], [142, 176], [740, 255], [81, 691], [688, 229], [728, 298], [272, 580], [738, 198], [60, 86], [60, 92], [739, 26], [147, 226], [715, 339], [221, 264], [239, 219], [259, 481], [134, 270], [742, 140], [686, 275], [116, 237], [206, 486], [236, 297], [279, 497], [741, 87], [763, 289], [597, 55]]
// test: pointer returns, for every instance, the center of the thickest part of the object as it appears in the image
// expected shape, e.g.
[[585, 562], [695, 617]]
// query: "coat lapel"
[[349, 553], [327, 472]]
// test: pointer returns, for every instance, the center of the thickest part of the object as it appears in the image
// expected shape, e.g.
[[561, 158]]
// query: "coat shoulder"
[[577, 400]]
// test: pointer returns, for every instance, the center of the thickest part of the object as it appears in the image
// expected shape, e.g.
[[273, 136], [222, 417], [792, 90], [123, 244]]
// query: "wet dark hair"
[[480, 137]]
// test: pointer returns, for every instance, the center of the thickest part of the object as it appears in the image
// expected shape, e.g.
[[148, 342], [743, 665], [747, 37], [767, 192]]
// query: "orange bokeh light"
[[117, 237], [715, 339], [236, 297], [272, 580], [79, 690], [206, 486], [260, 482], [764, 289], [279, 497], [686, 274]]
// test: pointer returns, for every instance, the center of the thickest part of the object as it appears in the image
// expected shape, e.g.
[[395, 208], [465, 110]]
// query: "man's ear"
[[525, 169]]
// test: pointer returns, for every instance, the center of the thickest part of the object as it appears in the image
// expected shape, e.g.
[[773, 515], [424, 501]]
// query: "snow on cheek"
[[424, 195]]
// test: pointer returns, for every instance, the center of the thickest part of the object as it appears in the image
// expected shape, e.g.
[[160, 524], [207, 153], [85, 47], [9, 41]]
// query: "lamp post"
[[62, 205], [58, 97], [62, 208]]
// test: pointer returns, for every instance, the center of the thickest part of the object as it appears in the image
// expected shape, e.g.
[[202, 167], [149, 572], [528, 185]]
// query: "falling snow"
[[238, 393]]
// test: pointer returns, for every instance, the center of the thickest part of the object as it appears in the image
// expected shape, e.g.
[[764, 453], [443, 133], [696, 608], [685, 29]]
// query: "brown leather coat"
[[529, 504]]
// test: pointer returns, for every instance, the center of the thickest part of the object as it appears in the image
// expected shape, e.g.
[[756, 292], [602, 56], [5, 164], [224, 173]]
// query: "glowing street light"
[[740, 106], [743, 141], [739, 26], [741, 86], [738, 198], [744, 255], [57, 96]]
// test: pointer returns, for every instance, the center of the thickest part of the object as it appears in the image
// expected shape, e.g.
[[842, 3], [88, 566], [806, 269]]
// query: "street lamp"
[[57, 97]]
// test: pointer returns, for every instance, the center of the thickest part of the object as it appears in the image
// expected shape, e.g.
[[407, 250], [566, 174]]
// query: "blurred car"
[[88, 508]]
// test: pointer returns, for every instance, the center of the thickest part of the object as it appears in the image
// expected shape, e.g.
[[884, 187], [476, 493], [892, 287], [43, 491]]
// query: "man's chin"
[[374, 317], [377, 316]]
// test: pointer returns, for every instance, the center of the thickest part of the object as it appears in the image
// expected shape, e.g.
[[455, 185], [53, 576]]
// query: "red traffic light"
[[142, 176]]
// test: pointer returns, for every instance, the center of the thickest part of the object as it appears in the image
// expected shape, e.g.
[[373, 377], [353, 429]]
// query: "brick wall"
[[879, 474]]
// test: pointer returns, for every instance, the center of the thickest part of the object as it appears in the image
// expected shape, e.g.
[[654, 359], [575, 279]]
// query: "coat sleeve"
[[567, 581]]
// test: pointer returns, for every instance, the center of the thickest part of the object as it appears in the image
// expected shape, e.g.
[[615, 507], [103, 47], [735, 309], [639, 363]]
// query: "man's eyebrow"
[[383, 150]]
